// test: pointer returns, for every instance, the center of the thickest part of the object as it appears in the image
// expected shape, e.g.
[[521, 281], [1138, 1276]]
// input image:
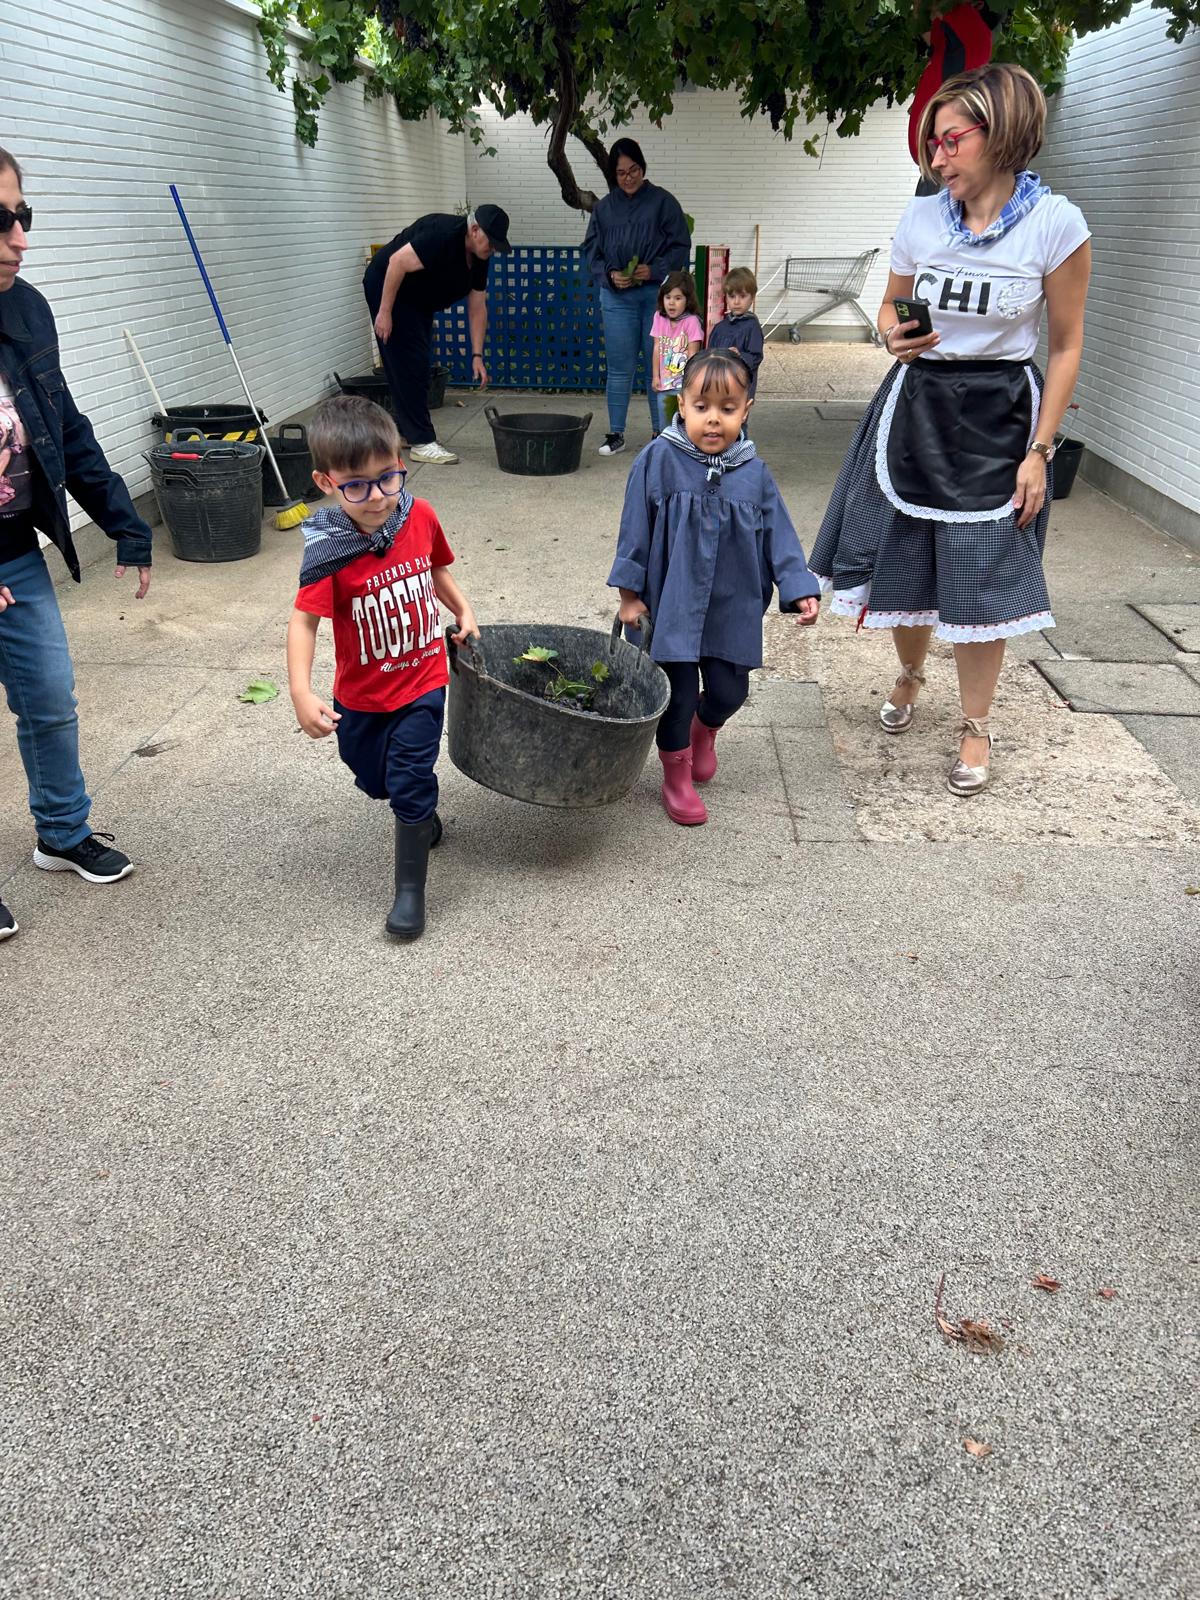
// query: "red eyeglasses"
[[949, 142]]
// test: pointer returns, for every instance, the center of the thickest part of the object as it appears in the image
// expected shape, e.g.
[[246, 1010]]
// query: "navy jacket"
[[649, 225], [705, 556], [745, 335], [64, 450]]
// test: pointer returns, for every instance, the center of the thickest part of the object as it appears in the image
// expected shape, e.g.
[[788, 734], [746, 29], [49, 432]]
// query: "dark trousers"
[[406, 364], [392, 754], [726, 686]]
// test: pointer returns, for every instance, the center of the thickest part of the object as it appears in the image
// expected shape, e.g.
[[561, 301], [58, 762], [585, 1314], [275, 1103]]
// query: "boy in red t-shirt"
[[378, 563]]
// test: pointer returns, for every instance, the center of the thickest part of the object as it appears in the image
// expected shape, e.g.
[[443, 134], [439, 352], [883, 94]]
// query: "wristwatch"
[[1038, 448]]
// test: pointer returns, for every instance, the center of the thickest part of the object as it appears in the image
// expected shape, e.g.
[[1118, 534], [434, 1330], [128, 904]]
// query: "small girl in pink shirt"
[[677, 334]]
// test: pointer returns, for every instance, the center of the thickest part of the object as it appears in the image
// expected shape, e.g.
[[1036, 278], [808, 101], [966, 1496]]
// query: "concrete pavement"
[[589, 1247]]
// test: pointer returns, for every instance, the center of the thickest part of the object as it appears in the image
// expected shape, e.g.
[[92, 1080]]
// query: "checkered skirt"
[[970, 580]]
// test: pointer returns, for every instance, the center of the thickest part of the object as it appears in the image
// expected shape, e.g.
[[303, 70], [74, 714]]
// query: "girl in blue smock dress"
[[705, 539]]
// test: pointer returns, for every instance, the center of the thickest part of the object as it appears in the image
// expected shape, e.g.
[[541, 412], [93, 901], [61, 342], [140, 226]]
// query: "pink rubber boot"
[[680, 800], [704, 751]]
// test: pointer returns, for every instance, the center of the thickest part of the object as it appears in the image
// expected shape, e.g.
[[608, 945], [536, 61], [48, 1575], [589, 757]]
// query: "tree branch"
[[562, 20]]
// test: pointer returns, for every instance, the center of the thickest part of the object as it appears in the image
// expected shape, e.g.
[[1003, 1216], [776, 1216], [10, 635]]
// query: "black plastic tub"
[[210, 496], [290, 445], [507, 736], [538, 444], [1067, 457], [234, 424], [374, 386]]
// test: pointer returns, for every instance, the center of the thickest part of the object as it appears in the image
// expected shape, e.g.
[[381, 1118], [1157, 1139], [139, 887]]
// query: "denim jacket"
[[64, 450]]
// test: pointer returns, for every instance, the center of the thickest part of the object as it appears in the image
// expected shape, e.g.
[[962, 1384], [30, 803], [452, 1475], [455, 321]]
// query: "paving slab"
[[1115, 688], [1180, 625], [1174, 742], [1107, 630]]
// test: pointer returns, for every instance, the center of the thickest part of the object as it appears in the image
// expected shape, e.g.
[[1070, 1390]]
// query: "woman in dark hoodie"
[[641, 225]]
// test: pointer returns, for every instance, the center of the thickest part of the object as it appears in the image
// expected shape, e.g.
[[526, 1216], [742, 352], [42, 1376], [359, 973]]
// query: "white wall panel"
[[104, 117], [1124, 144]]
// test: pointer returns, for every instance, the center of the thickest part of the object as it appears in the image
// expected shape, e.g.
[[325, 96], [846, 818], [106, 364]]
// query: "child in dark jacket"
[[704, 540], [739, 329]]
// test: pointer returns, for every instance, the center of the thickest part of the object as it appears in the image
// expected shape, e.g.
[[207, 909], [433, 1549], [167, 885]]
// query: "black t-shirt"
[[447, 271]]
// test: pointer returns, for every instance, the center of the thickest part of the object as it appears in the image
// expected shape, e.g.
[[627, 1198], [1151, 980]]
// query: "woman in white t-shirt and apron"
[[938, 519]]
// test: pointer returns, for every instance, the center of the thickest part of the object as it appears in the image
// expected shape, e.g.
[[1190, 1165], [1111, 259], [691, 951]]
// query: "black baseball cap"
[[494, 223]]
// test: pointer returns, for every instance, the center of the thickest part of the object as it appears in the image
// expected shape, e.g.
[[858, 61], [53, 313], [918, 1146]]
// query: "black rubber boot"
[[406, 920], [437, 832]]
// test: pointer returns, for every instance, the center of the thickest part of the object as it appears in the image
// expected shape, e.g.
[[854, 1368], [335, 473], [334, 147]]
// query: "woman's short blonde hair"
[[1009, 104]]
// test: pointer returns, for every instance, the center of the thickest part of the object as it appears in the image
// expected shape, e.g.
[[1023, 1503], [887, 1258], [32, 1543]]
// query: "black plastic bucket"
[[374, 386], [231, 423], [1067, 457], [210, 496], [506, 735], [538, 444], [290, 444]]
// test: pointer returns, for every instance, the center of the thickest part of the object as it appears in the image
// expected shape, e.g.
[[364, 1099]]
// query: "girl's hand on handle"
[[631, 609], [316, 718], [898, 342], [807, 610], [1030, 495], [6, 598], [383, 326]]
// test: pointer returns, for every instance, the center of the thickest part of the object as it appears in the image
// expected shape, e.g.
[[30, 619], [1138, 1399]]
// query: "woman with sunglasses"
[[938, 519], [641, 226]]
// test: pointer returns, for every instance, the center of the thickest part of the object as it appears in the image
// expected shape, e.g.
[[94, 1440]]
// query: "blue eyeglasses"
[[388, 483]]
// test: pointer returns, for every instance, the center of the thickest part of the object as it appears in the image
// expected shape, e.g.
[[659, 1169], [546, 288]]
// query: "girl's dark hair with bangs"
[[722, 367], [684, 281], [349, 432]]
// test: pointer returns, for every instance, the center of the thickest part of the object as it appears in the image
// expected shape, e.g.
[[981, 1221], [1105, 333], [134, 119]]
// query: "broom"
[[292, 512]]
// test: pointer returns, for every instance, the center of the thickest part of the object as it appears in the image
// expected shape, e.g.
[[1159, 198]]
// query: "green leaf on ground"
[[259, 692]]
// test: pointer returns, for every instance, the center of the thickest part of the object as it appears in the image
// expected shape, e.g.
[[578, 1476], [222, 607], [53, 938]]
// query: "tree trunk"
[[568, 119]]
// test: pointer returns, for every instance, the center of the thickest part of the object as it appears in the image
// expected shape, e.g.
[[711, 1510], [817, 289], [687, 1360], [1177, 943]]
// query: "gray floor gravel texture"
[[589, 1247]]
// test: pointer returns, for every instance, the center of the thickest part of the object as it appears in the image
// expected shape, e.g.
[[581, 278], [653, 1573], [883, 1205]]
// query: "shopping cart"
[[836, 280]]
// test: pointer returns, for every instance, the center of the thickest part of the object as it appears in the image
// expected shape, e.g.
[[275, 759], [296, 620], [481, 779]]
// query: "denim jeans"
[[36, 672], [628, 314]]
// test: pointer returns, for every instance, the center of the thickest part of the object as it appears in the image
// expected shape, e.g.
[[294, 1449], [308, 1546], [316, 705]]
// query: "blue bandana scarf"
[[1029, 190], [332, 541], [741, 450]]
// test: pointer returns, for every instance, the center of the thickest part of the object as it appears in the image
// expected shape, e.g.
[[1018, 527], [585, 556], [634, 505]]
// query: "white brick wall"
[[103, 117], [729, 174], [1124, 144]]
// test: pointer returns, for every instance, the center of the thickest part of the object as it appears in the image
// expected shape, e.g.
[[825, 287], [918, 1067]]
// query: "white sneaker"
[[613, 444], [432, 454]]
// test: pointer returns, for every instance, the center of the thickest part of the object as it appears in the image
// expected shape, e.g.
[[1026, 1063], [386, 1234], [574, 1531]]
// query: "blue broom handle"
[[191, 239], [254, 411]]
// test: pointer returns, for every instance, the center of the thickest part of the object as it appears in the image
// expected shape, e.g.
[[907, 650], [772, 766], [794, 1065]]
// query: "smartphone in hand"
[[907, 310]]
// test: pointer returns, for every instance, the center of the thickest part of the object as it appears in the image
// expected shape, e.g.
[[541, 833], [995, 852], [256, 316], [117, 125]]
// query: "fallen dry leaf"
[[910, 955], [1107, 1294], [1050, 1285], [977, 1448], [979, 1337]]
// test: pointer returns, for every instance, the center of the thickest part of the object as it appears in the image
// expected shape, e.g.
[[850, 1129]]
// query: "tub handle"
[[645, 630], [452, 649], [492, 415], [585, 422]]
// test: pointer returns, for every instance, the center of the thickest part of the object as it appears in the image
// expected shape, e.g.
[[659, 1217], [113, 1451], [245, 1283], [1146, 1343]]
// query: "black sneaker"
[[91, 860], [8, 923], [613, 444]]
